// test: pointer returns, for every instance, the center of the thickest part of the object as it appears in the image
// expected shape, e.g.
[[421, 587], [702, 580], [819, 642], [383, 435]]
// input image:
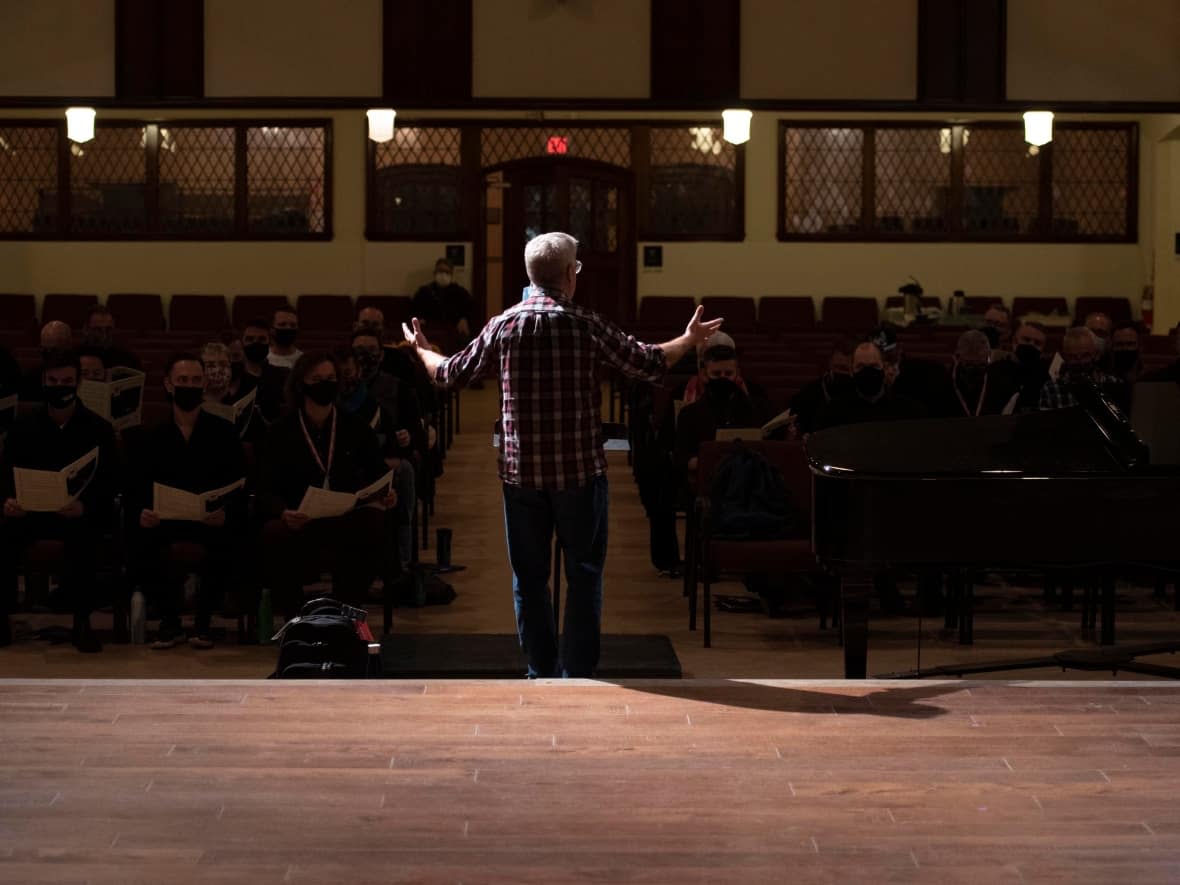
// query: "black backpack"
[[750, 499], [322, 643]]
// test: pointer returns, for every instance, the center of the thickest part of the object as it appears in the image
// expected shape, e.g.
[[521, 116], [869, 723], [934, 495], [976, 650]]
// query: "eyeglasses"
[[577, 267]]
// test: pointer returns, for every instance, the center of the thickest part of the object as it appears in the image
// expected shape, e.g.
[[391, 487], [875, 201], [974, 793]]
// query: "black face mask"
[[970, 377], [721, 389], [322, 393], [187, 399], [1125, 360], [236, 368], [59, 396], [256, 351], [285, 337], [1027, 355], [993, 335], [869, 381], [368, 360]]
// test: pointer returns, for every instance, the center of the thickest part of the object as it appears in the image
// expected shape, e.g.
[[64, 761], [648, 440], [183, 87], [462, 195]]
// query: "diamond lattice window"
[[913, 181], [1090, 182], [418, 183], [694, 184], [196, 180], [823, 180], [1001, 182], [503, 144], [28, 179], [286, 171], [108, 183]]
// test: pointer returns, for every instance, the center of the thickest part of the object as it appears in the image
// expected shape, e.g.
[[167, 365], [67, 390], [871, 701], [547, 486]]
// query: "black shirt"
[[289, 466], [399, 406], [810, 401], [271, 401], [1009, 377], [699, 420], [443, 305], [854, 409], [210, 458], [37, 442], [929, 384]]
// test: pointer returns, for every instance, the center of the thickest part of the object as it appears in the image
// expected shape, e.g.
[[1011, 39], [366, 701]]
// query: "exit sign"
[[557, 144]]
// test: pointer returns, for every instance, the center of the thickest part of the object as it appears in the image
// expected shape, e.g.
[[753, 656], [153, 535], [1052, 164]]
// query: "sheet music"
[[239, 414], [118, 400], [729, 434], [173, 503], [372, 494], [47, 491], [323, 504]]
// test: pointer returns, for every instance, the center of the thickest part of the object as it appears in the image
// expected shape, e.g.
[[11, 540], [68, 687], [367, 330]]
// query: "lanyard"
[[978, 405], [314, 451]]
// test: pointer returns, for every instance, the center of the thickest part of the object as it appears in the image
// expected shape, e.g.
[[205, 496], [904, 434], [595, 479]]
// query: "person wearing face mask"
[[284, 331], [444, 306], [722, 403], [869, 398], [357, 399], [270, 380], [1079, 351], [1102, 326], [57, 434], [196, 452], [55, 338], [977, 390], [997, 326], [318, 444], [923, 381], [1125, 362], [1021, 375], [397, 399], [695, 388], [835, 382], [98, 333]]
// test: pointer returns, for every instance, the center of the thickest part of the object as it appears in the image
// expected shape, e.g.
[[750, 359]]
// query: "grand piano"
[[1071, 489]]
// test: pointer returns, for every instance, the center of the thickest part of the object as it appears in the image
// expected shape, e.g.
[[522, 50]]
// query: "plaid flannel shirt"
[[550, 354], [1059, 393]]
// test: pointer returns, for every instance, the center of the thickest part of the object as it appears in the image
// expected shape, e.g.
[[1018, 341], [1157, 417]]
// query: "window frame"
[[153, 231], [954, 233]]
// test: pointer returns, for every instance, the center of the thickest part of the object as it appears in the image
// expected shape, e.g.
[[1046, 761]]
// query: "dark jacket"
[[854, 409], [289, 467], [699, 421], [37, 443], [399, 406], [443, 305]]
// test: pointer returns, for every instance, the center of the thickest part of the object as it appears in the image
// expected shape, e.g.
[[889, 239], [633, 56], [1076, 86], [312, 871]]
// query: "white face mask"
[[442, 278]]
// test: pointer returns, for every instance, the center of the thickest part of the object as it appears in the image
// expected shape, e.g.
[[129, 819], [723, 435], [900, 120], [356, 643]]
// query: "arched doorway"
[[592, 201]]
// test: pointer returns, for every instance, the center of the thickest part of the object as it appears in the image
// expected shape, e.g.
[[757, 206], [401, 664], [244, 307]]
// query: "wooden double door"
[[594, 203]]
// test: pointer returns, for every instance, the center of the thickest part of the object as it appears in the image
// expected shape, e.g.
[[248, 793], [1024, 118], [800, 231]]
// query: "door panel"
[[590, 202]]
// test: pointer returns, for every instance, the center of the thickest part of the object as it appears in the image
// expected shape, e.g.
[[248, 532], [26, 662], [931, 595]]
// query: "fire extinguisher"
[[1147, 307]]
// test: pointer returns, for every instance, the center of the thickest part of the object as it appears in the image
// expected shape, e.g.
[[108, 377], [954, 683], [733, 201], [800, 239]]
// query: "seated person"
[[443, 303], [60, 432], [1170, 372], [695, 387], [220, 384], [98, 332], [724, 403], [997, 326], [1023, 372], [837, 380], [317, 444], [870, 398], [1102, 326], [356, 399], [397, 399], [196, 452], [371, 319], [93, 368], [923, 381], [237, 356], [1080, 351], [284, 331], [270, 380], [1125, 363], [976, 392], [55, 337]]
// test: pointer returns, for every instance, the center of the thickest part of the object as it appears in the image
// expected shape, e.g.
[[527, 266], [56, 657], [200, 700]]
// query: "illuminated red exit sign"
[[557, 144]]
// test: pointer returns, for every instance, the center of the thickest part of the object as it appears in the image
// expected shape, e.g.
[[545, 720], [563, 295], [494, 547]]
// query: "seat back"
[[139, 312], [197, 313], [782, 312], [69, 309], [246, 307], [1023, 305], [396, 308], [666, 310], [325, 313], [925, 300], [740, 312], [18, 313], [978, 304], [1118, 309], [853, 314]]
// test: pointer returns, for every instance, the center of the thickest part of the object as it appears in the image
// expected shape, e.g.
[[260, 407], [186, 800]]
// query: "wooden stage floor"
[[709, 780]]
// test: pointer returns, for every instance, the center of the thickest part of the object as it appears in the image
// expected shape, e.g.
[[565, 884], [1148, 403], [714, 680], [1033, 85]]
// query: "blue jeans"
[[579, 517]]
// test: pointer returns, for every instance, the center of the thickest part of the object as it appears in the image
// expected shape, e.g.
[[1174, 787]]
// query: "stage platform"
[[515, 781]]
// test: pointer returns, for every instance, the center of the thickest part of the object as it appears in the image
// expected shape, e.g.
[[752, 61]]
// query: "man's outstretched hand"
[[415, 335], [697, 329]]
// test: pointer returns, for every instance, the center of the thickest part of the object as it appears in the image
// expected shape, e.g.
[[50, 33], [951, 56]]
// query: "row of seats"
[[785, 312], [143, 312]]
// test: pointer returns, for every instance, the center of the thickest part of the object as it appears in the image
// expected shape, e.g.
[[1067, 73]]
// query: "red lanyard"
[[315, 452]]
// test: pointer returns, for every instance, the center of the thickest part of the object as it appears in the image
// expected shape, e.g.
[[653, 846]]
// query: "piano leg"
[[1108, 600], [854, 605]]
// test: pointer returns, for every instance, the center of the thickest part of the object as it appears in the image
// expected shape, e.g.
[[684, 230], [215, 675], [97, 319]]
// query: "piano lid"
[[1061, 442]]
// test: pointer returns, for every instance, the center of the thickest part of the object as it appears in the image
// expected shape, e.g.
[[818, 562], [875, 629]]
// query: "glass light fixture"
[[944, 141], [381, 123], [80, 124], [736, 126], [1038, 127]]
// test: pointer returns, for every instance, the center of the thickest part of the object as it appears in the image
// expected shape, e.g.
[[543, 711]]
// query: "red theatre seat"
[[783, 313], [247, 307], [69, 309], [854, 315], [665, 310], [325, 313], [137, 312], [197, 313], [18, 313], [1118, 309], [740, 313], [397, 309]]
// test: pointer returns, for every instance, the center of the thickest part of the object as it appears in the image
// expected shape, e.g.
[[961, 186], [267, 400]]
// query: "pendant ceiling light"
[[80, 124], [736, 126], [1038, 127], [381, 123]]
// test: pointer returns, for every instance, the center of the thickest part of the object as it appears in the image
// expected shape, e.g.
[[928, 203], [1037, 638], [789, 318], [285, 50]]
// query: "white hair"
[[1081, 335], [973, 345], [547, 256]]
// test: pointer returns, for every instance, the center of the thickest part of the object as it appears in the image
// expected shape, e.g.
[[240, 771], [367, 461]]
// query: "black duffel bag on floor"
[[324, 643]]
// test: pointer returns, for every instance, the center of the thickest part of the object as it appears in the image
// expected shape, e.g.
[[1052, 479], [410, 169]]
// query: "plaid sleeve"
[[627, 354], [472, 361]]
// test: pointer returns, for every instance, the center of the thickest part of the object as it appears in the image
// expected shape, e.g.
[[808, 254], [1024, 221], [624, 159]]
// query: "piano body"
[[1071, 488]]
